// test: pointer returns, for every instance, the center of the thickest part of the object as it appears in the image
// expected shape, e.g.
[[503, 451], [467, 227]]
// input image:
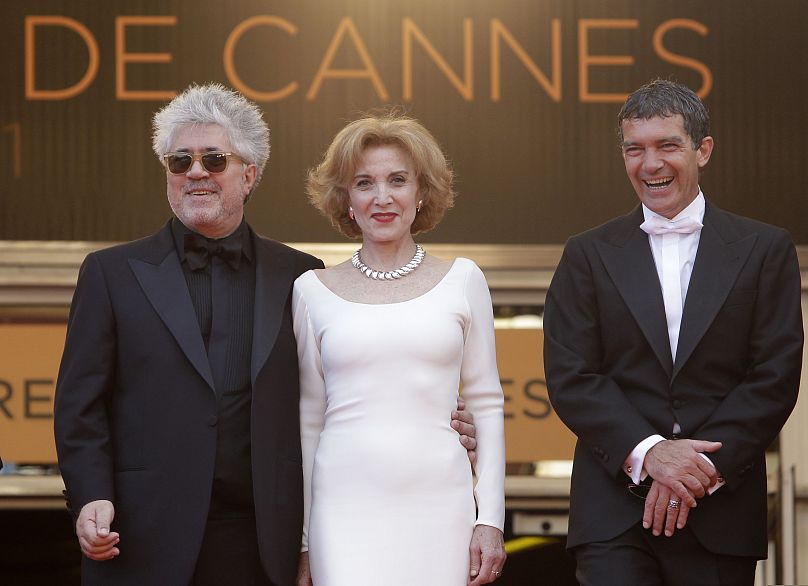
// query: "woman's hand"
[[487, 551], [303, 573]]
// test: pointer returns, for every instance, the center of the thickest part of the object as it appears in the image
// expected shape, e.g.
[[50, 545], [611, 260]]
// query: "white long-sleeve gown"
[[389, 495]]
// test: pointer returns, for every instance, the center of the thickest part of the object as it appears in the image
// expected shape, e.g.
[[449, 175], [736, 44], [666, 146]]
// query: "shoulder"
[[115, 258], [333, 275], [304, 283], [472, 275], [134, 248], [734, 226], [302, 261], [468, 267], [614, 230]]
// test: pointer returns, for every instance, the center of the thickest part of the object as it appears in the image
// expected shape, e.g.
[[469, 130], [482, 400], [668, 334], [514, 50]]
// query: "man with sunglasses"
[[176, 411], [673, 348]]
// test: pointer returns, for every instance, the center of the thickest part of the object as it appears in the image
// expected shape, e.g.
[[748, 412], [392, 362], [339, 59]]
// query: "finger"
[[93, 540], [461, 403], [660, 514], [486, 575], [475, 561], [104, 541], [97, 552], [103, 519], [695, 486], [468, 442], [497, 565], [672, 514], [650, 502], [463, 415], [100, 557], [97, 546], [681, 521], [464, 428], [709, 471], [705, 446], [681, 491]]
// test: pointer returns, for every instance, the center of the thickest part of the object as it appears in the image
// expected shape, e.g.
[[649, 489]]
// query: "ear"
[[705, 150], [248, 178]]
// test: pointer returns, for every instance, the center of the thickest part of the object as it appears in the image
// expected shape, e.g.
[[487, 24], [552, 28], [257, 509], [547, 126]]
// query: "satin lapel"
[[718, 261], [628, 260], [273, 282], [162, 281]]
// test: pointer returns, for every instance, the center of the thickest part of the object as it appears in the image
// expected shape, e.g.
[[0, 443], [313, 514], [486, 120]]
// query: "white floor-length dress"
[[388, 488]]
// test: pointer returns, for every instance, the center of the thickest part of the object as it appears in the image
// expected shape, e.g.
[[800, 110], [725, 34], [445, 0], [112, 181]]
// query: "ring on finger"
[[673, 504]]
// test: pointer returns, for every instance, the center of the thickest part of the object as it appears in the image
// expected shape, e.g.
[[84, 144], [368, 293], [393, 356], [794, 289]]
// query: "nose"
[[383, 193], [197, 170], [651, 161]]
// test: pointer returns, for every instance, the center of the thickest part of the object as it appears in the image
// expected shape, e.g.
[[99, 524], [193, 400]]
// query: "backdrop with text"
[[522, 95]]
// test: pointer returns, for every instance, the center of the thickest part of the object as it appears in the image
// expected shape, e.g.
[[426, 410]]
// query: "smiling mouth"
[[662, 183], [387, 217]]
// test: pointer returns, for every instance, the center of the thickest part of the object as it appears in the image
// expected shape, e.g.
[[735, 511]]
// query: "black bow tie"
[[199, 250]]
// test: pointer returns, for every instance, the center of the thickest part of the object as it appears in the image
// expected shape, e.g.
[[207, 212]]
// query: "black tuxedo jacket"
[[136, 415], [612, 379]]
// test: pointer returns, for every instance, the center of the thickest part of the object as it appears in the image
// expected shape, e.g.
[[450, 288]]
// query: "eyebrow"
[[673, 138], [400, 172], [209, 149]]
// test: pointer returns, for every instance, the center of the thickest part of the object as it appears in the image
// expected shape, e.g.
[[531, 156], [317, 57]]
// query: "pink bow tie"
[[658, 225]]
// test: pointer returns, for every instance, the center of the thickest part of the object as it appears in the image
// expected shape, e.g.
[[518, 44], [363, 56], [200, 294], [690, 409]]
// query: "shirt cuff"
[[633, 466], [719, 482]]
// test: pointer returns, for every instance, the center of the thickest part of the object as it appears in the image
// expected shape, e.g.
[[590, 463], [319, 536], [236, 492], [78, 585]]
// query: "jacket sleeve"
[[752, 414], [591, 404], [83, 387]]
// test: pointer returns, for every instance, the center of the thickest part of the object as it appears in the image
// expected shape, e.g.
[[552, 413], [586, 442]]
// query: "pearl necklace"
[[389, 276]]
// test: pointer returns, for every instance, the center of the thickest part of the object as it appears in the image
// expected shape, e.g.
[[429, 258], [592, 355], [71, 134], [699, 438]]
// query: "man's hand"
[[487, 555], [92, 528], [463, 423], [303, 572], [663, 509], [678, 465]]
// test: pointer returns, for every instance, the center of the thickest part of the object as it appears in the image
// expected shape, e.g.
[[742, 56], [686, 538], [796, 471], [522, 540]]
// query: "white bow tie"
[[658, 225]]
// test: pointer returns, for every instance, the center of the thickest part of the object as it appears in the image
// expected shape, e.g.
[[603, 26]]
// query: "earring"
[[350, 212], [418, 207]]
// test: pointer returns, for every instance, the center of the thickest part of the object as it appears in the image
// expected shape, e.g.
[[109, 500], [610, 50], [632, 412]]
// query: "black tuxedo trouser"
[[229, 555], [637, 557]]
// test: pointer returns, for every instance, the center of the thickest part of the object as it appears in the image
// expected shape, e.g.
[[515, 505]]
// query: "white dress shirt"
[[674, 249]]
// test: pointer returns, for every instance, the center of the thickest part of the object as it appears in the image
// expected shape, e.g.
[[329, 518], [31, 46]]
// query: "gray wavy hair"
[[213, 103]]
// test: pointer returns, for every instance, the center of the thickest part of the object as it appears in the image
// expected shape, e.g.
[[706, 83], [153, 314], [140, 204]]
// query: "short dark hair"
[[663, 98]]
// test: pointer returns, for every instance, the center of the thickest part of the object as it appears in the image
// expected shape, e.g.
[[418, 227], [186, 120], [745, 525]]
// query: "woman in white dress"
[[385, 342]]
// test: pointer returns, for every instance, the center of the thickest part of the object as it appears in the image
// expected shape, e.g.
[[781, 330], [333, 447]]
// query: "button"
[[213, 420], [677, 404]]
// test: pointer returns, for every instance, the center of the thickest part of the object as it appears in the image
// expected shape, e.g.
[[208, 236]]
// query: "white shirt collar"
[[695, 209]]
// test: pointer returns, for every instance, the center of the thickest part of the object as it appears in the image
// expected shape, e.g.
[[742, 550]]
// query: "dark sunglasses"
[[213, 162]]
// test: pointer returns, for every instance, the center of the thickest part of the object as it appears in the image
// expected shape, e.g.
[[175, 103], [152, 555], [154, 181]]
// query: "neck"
[[387, 256], [215, 231]]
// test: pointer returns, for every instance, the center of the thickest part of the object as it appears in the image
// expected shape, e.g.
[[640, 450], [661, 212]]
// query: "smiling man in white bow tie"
[[673, 348]]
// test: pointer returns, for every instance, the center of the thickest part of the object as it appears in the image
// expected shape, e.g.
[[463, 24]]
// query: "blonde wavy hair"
[[327, 183]]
